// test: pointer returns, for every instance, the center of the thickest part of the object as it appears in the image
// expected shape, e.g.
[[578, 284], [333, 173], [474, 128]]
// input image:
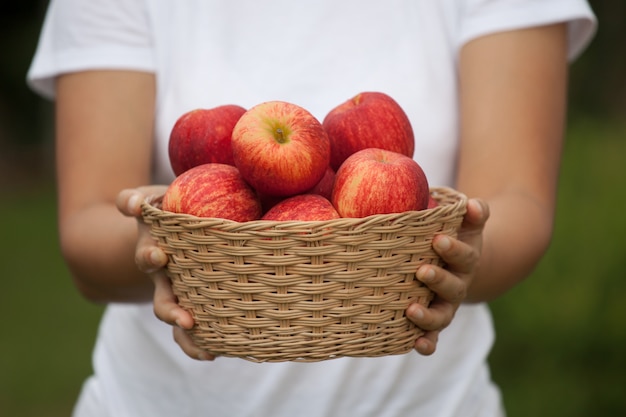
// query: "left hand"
[[450, 283], [151, 260]]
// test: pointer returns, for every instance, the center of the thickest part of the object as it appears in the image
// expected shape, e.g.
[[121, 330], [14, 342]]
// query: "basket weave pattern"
[[303, 291]]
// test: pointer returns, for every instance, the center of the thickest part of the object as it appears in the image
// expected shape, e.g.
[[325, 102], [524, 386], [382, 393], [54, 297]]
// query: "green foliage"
[[561, 337], [21, 111], [48, 330], [597, 84]]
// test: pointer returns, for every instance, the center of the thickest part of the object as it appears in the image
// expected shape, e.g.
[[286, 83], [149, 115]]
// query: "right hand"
[[151, 260]]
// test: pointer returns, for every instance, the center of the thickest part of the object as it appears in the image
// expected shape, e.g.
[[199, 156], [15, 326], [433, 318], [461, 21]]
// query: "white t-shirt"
[[317, 54]]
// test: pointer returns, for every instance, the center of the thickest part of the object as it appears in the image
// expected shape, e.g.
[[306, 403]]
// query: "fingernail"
[[426, 277], [443, 243], [417, 313], [421, 345], [479, 208], [205, 356], [133, 202], [156, 258]]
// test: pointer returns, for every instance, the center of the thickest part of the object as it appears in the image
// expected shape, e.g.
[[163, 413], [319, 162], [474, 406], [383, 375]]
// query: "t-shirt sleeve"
[[82, 35], [483, 17]]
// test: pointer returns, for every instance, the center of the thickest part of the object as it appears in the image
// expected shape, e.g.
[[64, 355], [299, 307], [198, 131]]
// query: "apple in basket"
[[368, 120], [203, 136], [213, 190], [432, 203], [280, 148], [302, 207], [325, 186], [378, 181]]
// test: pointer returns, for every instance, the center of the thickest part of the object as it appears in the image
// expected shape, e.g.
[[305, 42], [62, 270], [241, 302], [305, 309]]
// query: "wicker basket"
[[270, 291]]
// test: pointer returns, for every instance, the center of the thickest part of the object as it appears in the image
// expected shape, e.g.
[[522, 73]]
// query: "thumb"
[[129, 200], [476, 215]]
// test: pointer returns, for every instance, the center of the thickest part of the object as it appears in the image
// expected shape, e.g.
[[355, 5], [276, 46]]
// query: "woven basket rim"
[[459, 202], [274, 291]]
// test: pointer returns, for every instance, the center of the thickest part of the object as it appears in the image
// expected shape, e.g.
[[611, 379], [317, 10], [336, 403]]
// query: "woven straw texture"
[[269, 291]]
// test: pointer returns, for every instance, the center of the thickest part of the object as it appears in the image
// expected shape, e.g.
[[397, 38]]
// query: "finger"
[[459, 256], [166, 306], [442, 282], [189, 347], [476, 215], [437, 316], [128, 202], [148, 256], [427, 343]]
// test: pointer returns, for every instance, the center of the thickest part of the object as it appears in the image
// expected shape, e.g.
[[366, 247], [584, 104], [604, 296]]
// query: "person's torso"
[[317, 55]]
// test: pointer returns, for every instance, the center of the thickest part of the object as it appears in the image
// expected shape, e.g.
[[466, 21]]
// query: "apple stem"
[[280, 136]]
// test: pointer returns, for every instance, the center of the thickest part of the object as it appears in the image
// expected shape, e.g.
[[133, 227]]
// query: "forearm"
[[515, 238], [102, 148], [98, 245], [513, 103]]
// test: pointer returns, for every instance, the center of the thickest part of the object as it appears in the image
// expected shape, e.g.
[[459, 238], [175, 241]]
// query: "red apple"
[[432, 203], [378, 181], [325, 186], [280, 148], [213, 190], [302, 207], [368, 120], [269, 201], [203, 136]]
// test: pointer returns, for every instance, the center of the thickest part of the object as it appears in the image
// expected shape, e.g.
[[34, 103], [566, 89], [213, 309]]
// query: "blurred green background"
[[561, 338]]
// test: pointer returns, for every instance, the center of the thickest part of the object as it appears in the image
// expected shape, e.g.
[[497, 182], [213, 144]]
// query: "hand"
[[450, 284], [151, 260]]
